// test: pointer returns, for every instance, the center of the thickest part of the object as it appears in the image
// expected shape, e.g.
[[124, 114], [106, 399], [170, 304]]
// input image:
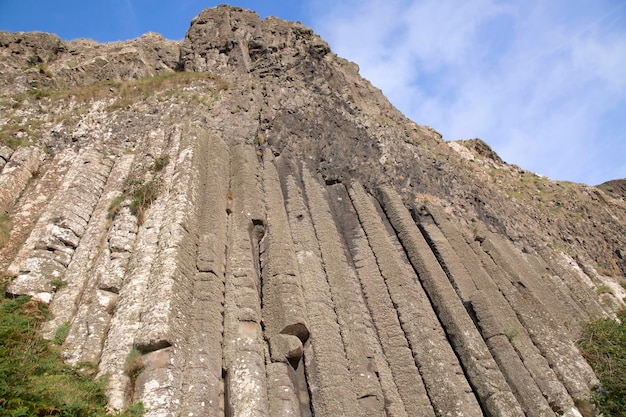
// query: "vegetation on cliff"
[[604, 346], [34, 380]]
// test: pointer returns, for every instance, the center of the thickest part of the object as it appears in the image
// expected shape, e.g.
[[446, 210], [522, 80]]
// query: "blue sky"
[[542, 81]]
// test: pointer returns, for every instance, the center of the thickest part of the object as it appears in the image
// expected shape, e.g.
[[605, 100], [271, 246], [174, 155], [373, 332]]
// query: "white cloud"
[[127, 19], [537, 80]]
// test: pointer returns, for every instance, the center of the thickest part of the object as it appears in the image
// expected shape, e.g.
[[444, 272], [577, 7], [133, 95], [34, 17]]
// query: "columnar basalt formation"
[[253, 230]]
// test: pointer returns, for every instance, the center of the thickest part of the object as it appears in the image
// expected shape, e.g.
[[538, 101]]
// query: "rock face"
[[275, 239]]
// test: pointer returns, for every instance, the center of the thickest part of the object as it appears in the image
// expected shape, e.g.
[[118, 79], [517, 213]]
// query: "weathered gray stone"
[[254, 287], [45, 265], [244, 347], [347, 299], [328, 375], [125, 322], [15, 175], [283, 399], [447, 388], [490, 309], [499, 340], [407, 380], [5, 155], [505, 320], [154, 386], [169, 286], [286, 348], [283, 303], [127, 328], [584, 305], [209, 254], [81, 285], [553, 343], [483, 373], [203, 386]]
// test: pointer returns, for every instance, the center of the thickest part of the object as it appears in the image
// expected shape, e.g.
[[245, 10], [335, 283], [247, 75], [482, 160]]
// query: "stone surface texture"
[[273, 238]]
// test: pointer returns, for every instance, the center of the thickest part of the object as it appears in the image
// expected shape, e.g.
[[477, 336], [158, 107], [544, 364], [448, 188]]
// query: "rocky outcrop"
[[263, 234]]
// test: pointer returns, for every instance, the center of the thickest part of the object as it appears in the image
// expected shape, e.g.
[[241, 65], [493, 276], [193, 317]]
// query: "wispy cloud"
[[542, 82], [127, 19]]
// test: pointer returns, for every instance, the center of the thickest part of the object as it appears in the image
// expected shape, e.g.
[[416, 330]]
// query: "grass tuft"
[[133, 364], [160, 163], [604, 289], [61, 333], [143, 195], [603, 345]]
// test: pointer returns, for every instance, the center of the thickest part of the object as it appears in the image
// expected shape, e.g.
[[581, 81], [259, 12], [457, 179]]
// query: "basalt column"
[[203, 388], [347, 298], [482, 371], [244, 346], [446, 385], [498, 326], [328, 373], [495, 315], [284, 310]]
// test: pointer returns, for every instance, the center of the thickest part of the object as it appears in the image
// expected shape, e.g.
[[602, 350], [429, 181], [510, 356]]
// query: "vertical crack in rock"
[[579, 298], [401, 382], [168, 293], [140, 319], [347, 298], [244, 347], [551, 298], [32, 210], [127, 317], [326, 365], [482, 371], [283, 302], [447, 388], [347, 225], [5, 155]]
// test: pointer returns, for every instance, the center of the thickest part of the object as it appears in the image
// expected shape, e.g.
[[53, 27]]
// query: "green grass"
[[57, 284], [127, 92], [61, 333], [139, 193], [160, 163], [133, 365], [604, 289], [143, 194], [34, 380], [511, 334], [8, 135], [604, 346]]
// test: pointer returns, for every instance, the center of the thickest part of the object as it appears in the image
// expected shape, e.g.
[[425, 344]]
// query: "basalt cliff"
[[275, 239]]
